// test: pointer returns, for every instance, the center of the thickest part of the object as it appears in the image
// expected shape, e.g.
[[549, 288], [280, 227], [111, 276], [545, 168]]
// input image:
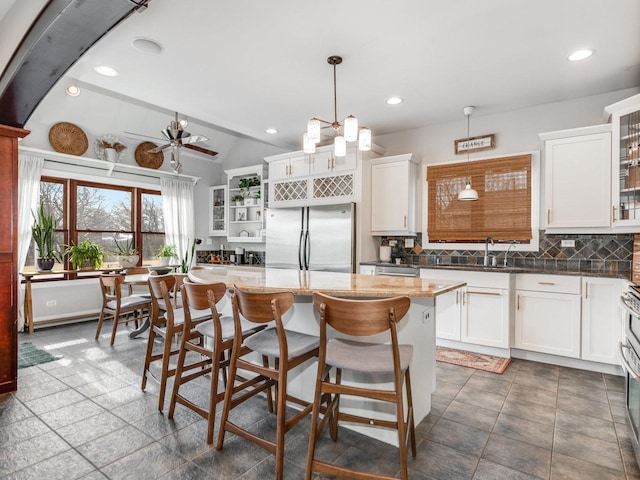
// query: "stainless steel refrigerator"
[[311, 238]]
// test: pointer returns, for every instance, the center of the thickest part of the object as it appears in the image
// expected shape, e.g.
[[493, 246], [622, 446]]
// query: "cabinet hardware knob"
[[613, 214], [548, 216], [546, 283], [405, 221], [586, 289], [457, 294], [517, 302]]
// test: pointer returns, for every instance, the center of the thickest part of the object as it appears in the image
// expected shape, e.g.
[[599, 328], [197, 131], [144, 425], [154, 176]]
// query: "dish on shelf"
[[146, 159], [68, 138]]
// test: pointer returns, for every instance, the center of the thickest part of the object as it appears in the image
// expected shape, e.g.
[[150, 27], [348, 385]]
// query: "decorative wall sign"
[[475, 144]]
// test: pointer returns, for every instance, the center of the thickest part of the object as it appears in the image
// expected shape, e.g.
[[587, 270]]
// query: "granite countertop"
[[264, 280], [508, 269]]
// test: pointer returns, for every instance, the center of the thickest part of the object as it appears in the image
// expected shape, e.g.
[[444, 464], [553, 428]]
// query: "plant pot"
[[45, 264], [128, 261], [165, 260], [110, 155], [249, 201]]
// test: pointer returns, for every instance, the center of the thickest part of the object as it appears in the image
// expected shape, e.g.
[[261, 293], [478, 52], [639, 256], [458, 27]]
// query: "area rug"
[[30, 355], [479, 361]]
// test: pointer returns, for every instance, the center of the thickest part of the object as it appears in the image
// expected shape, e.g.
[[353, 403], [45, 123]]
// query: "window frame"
[[531, 246]]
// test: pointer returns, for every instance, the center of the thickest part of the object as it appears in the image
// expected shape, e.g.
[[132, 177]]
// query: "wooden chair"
[[123, 309], [353, 319], [166, 322], [211, 339], [286, 348]]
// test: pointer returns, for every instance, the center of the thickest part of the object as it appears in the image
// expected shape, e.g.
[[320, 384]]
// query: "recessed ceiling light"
[[271, 131], [580, 55], [394, 100], [147, 46], [73, 90], [106, 71]]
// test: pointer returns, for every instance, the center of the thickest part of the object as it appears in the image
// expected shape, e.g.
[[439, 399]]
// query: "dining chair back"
[[355, 321]]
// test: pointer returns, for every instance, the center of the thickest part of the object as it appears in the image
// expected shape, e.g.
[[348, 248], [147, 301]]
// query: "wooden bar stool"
[[219, 332], [122, 309], [166, 322], [360, 318], [286, 348]]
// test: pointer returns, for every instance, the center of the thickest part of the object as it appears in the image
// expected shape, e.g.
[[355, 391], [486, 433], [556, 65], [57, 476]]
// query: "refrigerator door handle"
[[307, 250], [300, 252]]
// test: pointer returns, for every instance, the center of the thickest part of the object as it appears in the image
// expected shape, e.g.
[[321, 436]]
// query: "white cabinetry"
[[393, 195], [602, 319], [625, 153], [245, 217], [367, 269], [480, 313], [291, 167], [577, 174], [326, 163], [547, 317], [218, 210]]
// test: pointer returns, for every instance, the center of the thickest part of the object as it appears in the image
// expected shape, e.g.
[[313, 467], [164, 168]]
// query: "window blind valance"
[[503, 210]]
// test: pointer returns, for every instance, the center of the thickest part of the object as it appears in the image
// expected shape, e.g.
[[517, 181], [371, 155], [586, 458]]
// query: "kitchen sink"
[[478, 268]]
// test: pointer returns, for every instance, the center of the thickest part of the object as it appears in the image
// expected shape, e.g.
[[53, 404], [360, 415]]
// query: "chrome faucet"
[[486, 250], [513, 242]]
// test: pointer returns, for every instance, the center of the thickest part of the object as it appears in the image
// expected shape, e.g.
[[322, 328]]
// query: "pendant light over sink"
[[351, 132], [468, 194]]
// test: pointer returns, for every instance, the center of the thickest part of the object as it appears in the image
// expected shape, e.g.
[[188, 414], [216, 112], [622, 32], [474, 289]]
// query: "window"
[[503, 210], [101, 213]]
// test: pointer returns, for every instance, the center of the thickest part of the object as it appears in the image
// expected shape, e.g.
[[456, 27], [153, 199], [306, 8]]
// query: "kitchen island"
[[417, 328]]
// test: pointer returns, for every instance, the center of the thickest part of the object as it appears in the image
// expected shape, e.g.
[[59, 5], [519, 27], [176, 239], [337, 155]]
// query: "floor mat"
[[30, 355], [479, 361]]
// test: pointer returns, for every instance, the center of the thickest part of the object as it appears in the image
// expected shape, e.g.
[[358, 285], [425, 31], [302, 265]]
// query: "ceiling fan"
[[177, 137]]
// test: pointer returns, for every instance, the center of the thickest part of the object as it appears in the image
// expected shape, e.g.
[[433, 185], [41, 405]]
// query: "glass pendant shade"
[[468, 194], [351, 128], [313, 130], [307, 145], [364, 140], [340, 146]]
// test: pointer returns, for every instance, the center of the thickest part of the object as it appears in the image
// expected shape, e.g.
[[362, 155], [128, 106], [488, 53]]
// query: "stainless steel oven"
[[630, 358]]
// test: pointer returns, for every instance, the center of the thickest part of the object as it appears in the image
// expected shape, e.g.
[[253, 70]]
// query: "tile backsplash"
[[592, 253]]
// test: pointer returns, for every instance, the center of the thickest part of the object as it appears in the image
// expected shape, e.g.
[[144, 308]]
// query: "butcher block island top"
[[261, 280]]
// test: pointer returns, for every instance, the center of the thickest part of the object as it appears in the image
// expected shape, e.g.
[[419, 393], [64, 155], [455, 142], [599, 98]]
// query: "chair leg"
[[402, 438], [265, 363], [315, 415], [335, 411], [165, 370], [178, 376], [147, 358], [116, 317], [412, 426], [281, 417], [213, 393], [228, 397], [100, 320]]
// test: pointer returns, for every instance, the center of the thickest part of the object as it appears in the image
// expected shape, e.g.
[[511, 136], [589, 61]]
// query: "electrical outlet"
[[51, 303], [209, 241], [568, 243], [408, 243]]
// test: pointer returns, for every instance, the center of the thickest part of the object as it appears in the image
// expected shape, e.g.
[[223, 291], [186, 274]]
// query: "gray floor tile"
[[71, 414], [91, 428], [149, 462], [518, 455], [38, 448], [492, 471], [583, 406], [534, 380], [589, 426], [68, 465], [439, 461], [115, 445], [569, 468], [54, 401], [480, 398], [525, 393], [471, 415], [26, 429], [488, 384], [589, 449], [461, 437], [525, 430], [530, 411]]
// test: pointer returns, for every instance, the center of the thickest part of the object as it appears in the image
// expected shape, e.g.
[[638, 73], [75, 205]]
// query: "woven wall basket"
[[68, 138], [146, 159]]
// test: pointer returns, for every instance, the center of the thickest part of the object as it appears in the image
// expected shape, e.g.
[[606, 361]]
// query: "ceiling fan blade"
[[194, 139], [200, 149], [137, 136], [159, 149]]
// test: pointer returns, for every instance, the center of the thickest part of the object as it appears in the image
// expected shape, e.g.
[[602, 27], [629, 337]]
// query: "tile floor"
[[84, 416]]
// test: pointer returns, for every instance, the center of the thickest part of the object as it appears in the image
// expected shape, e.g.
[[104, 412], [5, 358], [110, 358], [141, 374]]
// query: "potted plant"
[[42, 231], [237, 198], [86, 255], [111, 148], [166, 253], [126, 255]]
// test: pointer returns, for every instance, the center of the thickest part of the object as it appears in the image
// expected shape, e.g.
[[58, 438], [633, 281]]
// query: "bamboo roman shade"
[[503, 210]]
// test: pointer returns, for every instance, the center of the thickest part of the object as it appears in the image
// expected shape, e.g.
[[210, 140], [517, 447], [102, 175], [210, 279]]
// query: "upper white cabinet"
[[577, 173], [245, 210], [298, 179], [625, 152], [218, 210], [393, 195]]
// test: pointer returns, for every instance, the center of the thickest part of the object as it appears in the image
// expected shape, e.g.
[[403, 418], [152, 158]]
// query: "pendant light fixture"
[[468, 194], [350, 130]]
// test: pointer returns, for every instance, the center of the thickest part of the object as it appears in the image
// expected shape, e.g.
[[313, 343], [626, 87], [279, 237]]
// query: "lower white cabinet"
[[547, 316], [367, 269], [477, 313], [602, 319]]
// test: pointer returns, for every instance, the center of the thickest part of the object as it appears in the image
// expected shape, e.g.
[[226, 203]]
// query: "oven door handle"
[[625, 363], [627, 307]]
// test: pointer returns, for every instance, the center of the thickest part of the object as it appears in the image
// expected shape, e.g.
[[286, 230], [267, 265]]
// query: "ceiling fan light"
[[313, 130], [340, 146], [364, 140], [307, 145], [351, 128], [468, 194]]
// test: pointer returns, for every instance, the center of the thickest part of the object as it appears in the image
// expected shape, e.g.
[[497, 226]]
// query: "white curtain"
[[178, 210], [29, 170]]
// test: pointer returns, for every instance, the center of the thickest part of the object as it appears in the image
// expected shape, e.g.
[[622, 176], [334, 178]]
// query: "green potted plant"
[[126, 255], [42, 231], [238, 198], [166, 253], [86, 255]]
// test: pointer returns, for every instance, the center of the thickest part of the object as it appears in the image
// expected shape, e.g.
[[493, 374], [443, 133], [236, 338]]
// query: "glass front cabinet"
[[246, 204], [625, 120], [218, 211]]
